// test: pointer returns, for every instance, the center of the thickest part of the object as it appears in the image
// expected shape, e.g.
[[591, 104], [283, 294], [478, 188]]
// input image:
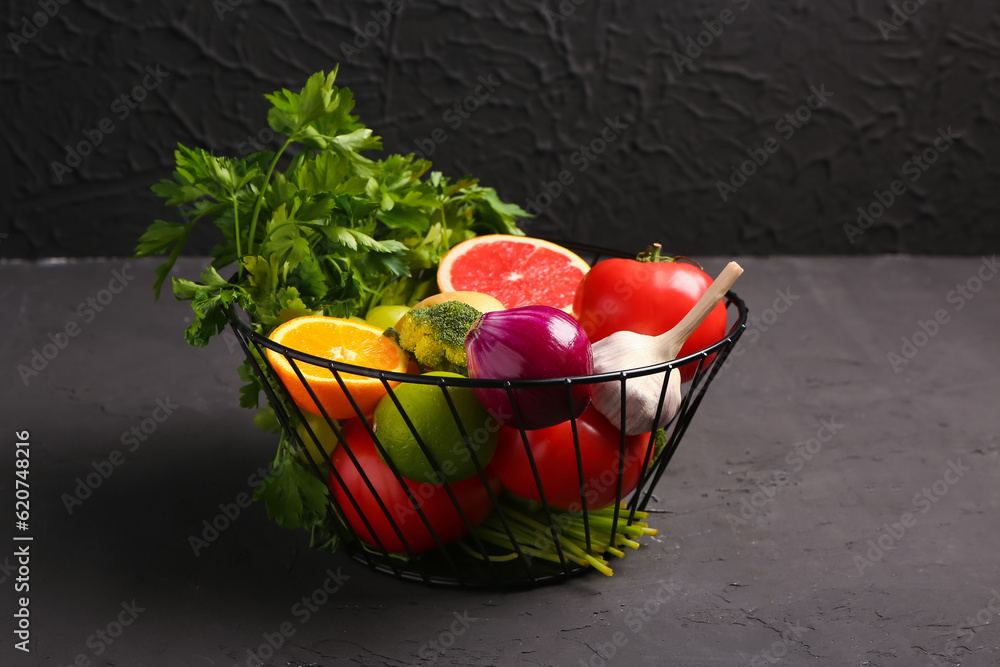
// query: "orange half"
[[346, 341]]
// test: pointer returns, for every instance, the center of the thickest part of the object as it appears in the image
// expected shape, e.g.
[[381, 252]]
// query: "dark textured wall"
[[558, 72]]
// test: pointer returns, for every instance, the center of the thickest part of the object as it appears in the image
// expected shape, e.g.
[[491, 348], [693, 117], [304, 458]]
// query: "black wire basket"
[[471, 561]]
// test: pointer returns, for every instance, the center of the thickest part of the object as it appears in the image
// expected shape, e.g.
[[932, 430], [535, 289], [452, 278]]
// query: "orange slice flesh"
[[346, 341]]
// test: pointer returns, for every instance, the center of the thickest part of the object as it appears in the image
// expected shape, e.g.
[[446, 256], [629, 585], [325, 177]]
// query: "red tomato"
[[433, 500], [647, 298], [555, 457]]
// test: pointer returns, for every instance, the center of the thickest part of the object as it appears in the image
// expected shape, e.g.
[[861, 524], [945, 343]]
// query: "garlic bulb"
[[626, 350]]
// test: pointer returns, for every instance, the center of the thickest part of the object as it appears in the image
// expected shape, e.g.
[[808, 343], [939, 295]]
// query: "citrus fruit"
[[484, 303], [346, 341], [321, 429], [517, 270], [385, 317], [433, 420]]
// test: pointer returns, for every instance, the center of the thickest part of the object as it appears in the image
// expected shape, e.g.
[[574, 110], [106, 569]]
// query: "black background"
[[560, 78]]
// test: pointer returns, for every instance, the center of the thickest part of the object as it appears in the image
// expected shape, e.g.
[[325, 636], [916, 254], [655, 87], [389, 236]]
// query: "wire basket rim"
[[498, 383]]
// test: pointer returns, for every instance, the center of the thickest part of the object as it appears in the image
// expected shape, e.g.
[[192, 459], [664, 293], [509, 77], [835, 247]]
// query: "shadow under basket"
[[471, 561]]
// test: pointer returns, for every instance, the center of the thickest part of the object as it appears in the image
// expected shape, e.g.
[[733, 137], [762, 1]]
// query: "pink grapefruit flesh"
[[516, 270]]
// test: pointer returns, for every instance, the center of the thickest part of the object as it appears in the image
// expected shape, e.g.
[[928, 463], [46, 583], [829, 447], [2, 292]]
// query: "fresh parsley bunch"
[[314, 228]]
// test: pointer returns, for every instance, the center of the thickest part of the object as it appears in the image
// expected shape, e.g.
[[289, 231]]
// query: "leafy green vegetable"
[[333, 232], [293, 495], [321, 228]]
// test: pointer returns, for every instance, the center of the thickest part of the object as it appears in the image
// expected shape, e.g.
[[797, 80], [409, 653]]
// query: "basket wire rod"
[[489, 489], [338, 433], [647, 470], [579, 467], [276, 404], [399, 477], [324, 456], [280, 410], [698, 395], [434, 465], [688, 406], [279, 407], [621, 456], [685, 414], [538, 481], [437, 468], [730, 340], [357, 465], [396, 527], [695, 393], [650, 447], [438, 472]]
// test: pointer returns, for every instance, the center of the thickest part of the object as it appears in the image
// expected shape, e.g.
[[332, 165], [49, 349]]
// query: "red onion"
[[533, 342]]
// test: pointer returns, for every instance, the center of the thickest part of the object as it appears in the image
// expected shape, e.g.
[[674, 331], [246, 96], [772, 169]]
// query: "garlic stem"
[[668, 344]]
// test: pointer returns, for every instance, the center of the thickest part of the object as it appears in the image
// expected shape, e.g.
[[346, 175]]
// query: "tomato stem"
[[652, 254]]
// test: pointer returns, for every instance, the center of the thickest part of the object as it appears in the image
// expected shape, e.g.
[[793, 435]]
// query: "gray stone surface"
[[786, 581]]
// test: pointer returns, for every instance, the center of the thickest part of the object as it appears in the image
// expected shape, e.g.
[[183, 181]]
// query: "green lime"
[[430, 415], [325, 434], [384, 317]]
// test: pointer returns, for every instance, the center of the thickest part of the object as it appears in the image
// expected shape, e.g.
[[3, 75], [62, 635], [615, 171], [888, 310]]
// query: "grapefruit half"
[[516, 270]]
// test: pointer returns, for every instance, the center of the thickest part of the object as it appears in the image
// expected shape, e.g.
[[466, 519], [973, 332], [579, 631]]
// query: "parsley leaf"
[[293, 495]]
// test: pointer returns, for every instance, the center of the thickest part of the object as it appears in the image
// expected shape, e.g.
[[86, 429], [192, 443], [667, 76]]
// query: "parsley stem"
[[236, 223], [260, 197]]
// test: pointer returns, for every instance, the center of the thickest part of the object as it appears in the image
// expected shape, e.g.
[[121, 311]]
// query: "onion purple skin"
[[527, 343]]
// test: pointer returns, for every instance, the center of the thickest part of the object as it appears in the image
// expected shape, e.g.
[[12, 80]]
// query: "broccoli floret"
[[436, 334]]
